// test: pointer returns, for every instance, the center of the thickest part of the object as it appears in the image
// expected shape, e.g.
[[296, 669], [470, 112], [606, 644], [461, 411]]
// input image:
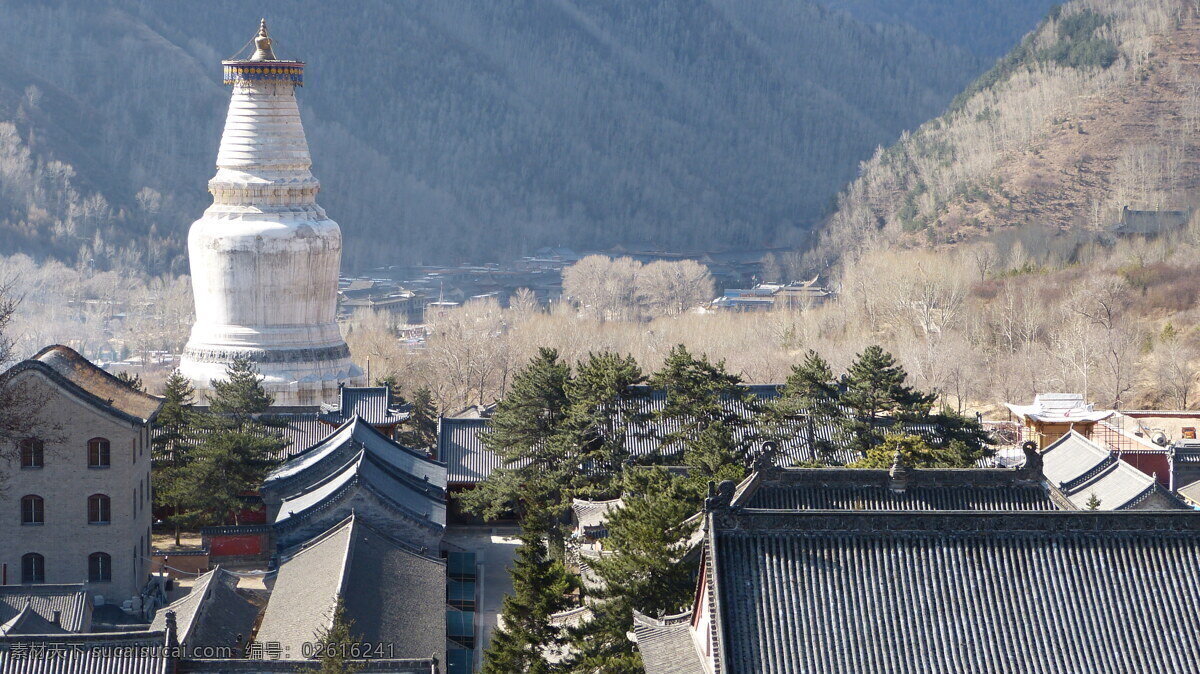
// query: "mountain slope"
[[1096, 110], [990, 29], [458, 130]]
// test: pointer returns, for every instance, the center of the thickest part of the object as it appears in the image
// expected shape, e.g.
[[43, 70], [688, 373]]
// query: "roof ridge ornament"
[[720, 496], [899, 473], [1033, 460], [262, 44]]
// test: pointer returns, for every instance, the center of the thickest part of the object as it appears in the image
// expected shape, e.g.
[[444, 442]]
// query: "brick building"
[[76, 499]]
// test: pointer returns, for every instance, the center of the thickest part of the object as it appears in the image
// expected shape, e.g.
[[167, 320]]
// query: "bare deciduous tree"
[[671, 288]]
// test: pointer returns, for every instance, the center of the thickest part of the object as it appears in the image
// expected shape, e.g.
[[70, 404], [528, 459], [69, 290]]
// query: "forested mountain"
[[461, 130], [990, 28], [1096, 111]]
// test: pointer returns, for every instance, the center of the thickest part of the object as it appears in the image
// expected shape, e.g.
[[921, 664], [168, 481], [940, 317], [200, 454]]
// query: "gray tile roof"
[[460, 447], [1054, 592], [70, 600], [373, 403], [92, 653], [301, 429], [395, 596], [27, 621], [666, 645], [423, 500], [213, 614], [925, 489], [1191, 492], [591, 516], [1081, 468], [332, 453]]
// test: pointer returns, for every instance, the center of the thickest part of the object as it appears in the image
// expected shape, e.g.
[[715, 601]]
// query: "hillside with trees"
[[1095, 111], [448, 131]]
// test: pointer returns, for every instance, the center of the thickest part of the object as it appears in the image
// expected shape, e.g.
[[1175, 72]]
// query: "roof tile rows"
[[978, 489], [213, 615], [339, 446], [357, 455], [666, 645], [374, 404], [394, 595], [70, 601], [1071, 593], [1082, 469], [92, 653]]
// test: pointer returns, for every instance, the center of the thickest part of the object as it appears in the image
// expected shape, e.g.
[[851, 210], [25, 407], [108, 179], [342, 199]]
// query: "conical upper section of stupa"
[[264, 257]]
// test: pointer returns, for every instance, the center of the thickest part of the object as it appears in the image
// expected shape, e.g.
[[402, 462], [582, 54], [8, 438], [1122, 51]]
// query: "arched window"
[[33, 510], [99, 567], [33, 568], [99, 455], [99, 509], [32, 453]]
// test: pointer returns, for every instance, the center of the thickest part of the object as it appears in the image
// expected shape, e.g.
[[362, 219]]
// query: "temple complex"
[[264, 257]]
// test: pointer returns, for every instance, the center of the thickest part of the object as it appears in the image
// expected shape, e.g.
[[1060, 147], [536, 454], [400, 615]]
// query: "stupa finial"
[[262, 44]]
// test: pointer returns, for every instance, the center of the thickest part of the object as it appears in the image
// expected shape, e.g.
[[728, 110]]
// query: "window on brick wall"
[[99, 453], [99, 567], [33, 568], [32, 453], [33, 510], [99, 509]]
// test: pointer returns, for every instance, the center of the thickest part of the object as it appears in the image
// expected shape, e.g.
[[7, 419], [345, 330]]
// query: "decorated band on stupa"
[[265, 257]]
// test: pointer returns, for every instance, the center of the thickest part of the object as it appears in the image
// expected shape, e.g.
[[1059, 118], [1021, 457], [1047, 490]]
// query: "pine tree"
[[524, 432], [699, 394], [237, 445], [875, 391], [811, 397], [710, 459], [1093, 502], [645, 574], [240, 396], [603, 398], [132, 380], [540, 588], [916, 453], [173, 451], [423, 422]]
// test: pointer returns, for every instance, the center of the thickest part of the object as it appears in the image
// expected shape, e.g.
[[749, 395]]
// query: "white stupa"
[[265, 257]]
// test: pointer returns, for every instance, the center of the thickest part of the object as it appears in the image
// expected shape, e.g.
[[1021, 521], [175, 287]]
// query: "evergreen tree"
[[237, 445], [874, 392], [811, 397], [602, 400], [337, 641], [710, 459], [916, 452], [959, 434], [172, 452], [645, 574], [699, 394], [524, 433], [423, 421], [540, 588], [1093, 502], [240, 396], [132, 380]]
